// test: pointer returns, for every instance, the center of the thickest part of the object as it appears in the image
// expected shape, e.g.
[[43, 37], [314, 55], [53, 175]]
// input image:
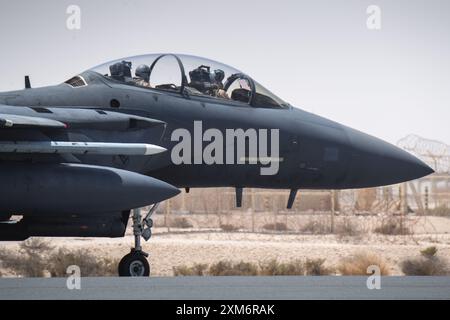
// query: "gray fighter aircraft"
[[78, 157]]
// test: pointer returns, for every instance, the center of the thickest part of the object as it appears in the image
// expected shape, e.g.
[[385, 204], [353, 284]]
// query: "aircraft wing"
[[72, 117], [72, 171]]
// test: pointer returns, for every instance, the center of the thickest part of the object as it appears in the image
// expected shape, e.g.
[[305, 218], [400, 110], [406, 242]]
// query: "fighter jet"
[[79, 157]]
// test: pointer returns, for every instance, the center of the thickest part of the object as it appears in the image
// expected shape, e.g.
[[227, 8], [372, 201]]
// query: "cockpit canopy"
[[189, 76]]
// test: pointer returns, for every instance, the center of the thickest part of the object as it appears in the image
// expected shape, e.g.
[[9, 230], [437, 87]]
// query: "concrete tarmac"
[[216, 288]]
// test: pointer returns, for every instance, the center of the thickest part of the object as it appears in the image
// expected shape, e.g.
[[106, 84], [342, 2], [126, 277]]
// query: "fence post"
[[252, 197], [166, 215], [332, 194]]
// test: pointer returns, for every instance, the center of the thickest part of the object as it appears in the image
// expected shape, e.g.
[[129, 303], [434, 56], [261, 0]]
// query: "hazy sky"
[[317, 55]]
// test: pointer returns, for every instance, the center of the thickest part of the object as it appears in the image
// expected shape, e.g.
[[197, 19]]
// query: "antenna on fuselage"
[[238, 197], [27, 82], [291, 199]]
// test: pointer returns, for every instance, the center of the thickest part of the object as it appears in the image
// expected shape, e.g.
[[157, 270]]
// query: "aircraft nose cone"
[[376, 163]]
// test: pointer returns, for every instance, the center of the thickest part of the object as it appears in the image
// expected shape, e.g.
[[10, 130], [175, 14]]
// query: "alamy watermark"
[[73, 281], [73, 21], [374, 281], [251, 146], [373, 21]]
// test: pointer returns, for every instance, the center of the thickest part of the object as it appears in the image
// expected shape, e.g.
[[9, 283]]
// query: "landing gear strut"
[[135, 263]]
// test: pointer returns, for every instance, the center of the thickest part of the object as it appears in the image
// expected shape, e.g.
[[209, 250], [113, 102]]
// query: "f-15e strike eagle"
[[77, 158]]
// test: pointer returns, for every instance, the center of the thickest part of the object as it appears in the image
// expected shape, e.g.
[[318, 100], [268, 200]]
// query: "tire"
[[134, 264], [120, 267]]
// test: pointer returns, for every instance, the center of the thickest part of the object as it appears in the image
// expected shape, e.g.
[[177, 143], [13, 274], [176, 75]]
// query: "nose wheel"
[[135, 263]]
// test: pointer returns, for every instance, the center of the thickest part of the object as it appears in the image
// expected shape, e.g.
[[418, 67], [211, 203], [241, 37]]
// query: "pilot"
[[219, 92], [142, 76], [208, 82]]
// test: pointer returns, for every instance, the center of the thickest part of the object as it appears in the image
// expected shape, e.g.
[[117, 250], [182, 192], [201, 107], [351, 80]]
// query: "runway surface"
[[206, 288]]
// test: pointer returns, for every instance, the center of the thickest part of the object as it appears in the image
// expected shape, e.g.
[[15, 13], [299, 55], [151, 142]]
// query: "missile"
[[75, 147]]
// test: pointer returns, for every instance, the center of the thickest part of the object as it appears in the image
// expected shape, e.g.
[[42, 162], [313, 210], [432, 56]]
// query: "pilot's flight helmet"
[[219, 75], [120, 70], [143, 71]]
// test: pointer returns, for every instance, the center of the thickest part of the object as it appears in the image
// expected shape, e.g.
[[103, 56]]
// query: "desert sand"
[[209, 245]]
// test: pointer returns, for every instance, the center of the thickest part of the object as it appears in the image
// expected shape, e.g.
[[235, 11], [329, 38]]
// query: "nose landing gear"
[[135, 263]]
